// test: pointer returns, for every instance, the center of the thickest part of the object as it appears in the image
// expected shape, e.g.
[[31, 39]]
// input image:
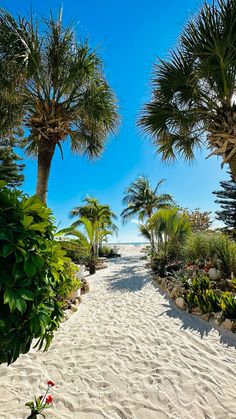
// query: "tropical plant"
[[196, 248], [99, 214], [170, 229], [32, 269], [215, 247], [193, 102], [201, 295], [40, 403], [199, 220], [61, 92], [226, 198], [10, 166], [227, 304], [142, 200]]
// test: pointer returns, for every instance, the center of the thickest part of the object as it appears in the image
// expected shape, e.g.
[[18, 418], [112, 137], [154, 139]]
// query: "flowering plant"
[[40, 403]]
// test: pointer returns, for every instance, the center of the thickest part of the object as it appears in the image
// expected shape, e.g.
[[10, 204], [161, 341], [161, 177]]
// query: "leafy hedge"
[[33, 268]]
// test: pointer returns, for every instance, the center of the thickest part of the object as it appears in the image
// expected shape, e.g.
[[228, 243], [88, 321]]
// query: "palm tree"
[[143, 200], [61, 92], [100, 215], [193, 102], [169, 227]]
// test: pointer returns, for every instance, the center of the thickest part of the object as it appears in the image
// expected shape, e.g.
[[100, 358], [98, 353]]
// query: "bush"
[[33, 267], [227, 304], [202, 296], [197, 248], [77, 250], [214, 247]]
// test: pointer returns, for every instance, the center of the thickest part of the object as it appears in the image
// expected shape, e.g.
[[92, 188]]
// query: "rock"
[[180, 303], [73, 308], [227, 324], [163, 284], [196, 311], [214, 274], [176, 292], [206, 316]]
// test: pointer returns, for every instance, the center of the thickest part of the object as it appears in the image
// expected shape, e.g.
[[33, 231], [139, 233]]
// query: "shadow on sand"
[[194, 323], [130, 278]]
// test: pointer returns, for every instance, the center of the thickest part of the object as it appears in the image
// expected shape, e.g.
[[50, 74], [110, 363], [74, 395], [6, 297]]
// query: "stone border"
[[175, 295]]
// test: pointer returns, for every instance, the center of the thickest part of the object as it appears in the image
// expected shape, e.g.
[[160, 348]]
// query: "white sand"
[[128, 353]]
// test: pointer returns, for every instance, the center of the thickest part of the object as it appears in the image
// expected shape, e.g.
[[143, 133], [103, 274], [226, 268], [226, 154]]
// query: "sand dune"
[[128, 353]]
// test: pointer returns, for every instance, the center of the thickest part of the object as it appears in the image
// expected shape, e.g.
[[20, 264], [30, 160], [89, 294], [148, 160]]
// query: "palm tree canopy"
[[141, 199], [96, 213], [62, 88], [194, 91]]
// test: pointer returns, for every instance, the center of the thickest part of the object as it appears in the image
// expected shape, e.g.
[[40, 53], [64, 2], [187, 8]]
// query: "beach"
[[128, 353]]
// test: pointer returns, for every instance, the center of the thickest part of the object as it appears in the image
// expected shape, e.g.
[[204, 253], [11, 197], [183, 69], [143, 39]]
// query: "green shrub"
[[202, 296], [215, 247], [223, 250], [197, 247], [227, 304], [71, 283], [33, 267], [77, 250]]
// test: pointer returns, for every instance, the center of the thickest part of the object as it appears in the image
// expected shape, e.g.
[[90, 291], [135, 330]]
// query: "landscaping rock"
[[180, 303], [214, 274], [206, 316], [176, 292], [196, 311], [73, 308], [227, 324], [163, 284]]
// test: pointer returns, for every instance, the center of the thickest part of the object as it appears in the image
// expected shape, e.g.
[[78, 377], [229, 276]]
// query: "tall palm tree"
[[99, 215], [193, 102], [61, 90], [143, 200]]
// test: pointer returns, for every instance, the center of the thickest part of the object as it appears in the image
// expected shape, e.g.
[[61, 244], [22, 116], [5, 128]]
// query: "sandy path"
[[128, 353]]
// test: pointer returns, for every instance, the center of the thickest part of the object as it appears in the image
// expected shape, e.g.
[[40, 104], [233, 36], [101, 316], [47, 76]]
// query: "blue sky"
[[129, 35]]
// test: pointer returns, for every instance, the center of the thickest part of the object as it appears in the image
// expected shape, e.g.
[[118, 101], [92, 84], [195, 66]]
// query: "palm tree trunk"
[[45, 154], [92, 263], [232, 164]]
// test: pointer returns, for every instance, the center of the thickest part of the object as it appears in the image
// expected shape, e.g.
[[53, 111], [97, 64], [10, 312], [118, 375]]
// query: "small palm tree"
[[142, 200], [194, 102], [100, 215], [60, 91], [169, 229]]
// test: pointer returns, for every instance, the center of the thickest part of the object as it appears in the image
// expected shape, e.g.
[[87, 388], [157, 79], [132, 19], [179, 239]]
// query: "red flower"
[[49, 399], [51, 383]]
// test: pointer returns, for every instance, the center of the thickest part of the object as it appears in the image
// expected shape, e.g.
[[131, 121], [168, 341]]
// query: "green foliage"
[[226, 198], [202, 296], [212, 246], [193, 89], [197, 247], [33, 267], [140, 198], [227, 304], [66, 287], [10, 168], [77, 250], [224, 250]]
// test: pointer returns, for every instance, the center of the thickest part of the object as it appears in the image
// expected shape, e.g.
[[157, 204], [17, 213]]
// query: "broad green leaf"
[[39, 226], [27, 221], [25, 294], [10, 297], [7, 249], [37, 260], [30, 268], [21, 305]]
